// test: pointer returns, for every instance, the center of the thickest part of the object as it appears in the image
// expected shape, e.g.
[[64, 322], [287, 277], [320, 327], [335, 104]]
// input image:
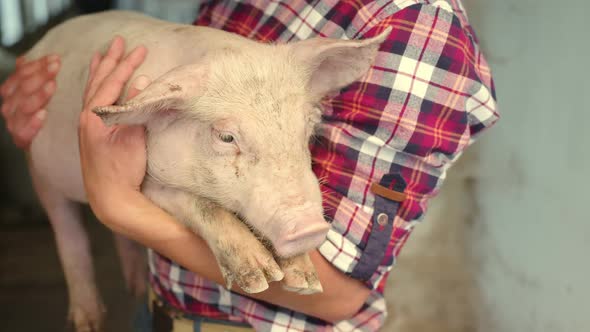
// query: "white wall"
[[534, 186]]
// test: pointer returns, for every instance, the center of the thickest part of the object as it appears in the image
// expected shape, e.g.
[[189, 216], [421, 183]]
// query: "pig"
[[228, 123]]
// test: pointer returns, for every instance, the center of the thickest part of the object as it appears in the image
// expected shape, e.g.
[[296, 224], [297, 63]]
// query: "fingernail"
[[141, 82], [41, 115], [49, 87], [53, 67], [53, 58]]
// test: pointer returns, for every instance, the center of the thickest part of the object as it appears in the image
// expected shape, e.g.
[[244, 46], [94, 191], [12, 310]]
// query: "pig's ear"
[[334, 63], [174, 91]]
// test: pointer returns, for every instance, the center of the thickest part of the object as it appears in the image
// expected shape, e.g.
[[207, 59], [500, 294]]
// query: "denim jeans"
[[142, 320]]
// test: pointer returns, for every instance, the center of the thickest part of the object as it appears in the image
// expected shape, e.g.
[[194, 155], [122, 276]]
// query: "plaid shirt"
[[424, 100]]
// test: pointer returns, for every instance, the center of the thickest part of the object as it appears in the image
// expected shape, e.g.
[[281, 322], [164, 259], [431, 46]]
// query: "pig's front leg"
[[300, 275], [242, 258]]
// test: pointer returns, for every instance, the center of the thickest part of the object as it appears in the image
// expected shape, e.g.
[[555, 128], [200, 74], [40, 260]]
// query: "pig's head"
[[235, 129]]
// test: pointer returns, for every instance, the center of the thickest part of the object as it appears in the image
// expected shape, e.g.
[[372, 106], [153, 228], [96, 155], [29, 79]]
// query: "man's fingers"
[[9, 86], [37, 79], [29, 68], [91, 71], [38, 99], [139, 84], [107, 79], [94, 64], [30, 75], [31, 129], [108, 62], [7, 109], [112, 86], [32, 83], [28, 129]]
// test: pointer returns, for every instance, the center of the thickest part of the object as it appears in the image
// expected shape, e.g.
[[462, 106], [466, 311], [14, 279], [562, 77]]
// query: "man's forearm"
[[153, 227]]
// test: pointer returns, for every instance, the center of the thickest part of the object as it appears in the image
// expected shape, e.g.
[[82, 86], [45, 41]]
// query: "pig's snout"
[[307, 234]]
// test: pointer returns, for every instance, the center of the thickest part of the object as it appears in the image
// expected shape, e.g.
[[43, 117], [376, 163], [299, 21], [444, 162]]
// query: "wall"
[[533, 232]]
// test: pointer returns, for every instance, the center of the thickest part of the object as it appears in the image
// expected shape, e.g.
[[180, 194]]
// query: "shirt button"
[[382, 219]]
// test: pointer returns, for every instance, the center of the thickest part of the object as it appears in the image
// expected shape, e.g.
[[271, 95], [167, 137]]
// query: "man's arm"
[[148, 224]]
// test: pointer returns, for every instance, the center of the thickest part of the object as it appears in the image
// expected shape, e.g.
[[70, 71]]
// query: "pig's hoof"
[[87, 319], [251, 271], [300, 275]]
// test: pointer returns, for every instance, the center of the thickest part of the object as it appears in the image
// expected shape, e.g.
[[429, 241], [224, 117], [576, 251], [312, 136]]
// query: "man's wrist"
[[115, 205]]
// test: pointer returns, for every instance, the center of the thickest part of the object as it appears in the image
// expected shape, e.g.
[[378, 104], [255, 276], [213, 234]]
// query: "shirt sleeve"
[[428, 95]]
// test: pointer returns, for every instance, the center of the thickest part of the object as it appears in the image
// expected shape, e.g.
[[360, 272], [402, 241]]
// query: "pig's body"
[[228, 123], [56, 146]]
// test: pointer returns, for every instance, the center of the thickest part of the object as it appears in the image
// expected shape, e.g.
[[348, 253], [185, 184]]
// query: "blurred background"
[[505, 246]]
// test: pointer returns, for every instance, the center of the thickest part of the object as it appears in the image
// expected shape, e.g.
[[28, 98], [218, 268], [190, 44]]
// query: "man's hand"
[[113, 158], [25, 94]]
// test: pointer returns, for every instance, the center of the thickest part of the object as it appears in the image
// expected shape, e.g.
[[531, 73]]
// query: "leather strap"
[[382, 191]]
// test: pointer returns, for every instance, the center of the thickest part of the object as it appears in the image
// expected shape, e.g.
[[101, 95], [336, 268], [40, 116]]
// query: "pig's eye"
[[226, 138]]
